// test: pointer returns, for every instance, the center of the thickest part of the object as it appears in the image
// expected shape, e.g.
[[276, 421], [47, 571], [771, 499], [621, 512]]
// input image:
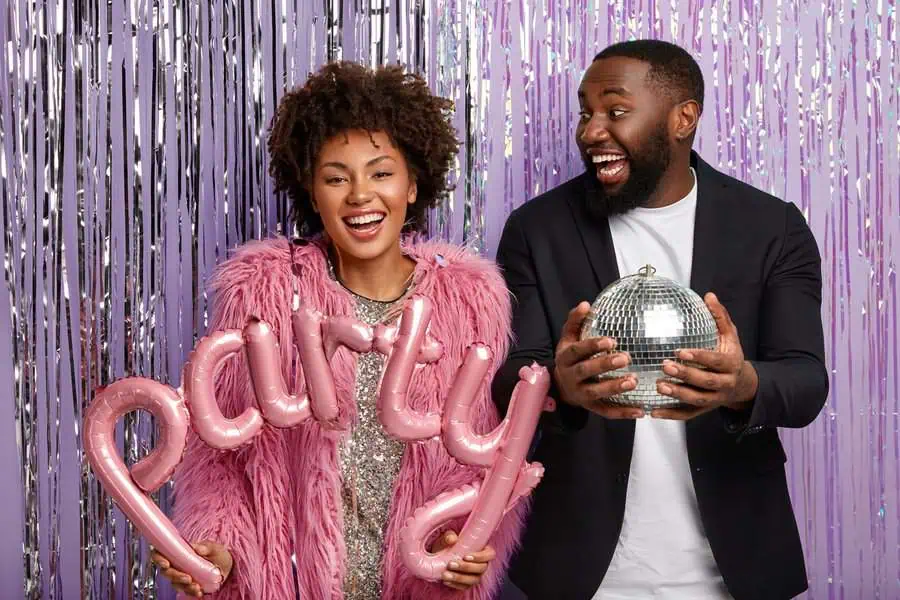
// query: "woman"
[[362, 154]]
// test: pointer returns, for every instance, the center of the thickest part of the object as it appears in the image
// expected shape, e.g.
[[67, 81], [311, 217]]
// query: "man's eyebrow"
[[615, 89], [608, 91]]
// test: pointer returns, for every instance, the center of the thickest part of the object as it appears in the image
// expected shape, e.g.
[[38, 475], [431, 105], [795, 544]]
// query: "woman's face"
[[361, 188]]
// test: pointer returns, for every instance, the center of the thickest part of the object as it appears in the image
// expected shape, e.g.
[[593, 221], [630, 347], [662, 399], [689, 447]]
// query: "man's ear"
[[683, 120]]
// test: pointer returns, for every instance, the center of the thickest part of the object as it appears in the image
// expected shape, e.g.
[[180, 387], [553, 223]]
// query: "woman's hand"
[[466, 573], [214, 552]]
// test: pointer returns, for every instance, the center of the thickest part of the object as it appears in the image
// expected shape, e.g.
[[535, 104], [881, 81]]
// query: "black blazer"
[[759, 256]]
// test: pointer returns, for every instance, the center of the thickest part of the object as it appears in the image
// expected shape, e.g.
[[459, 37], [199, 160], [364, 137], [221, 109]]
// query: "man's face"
[[622, 134]]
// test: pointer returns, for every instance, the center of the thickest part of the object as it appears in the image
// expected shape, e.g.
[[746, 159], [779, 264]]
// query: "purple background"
[[132, 137]]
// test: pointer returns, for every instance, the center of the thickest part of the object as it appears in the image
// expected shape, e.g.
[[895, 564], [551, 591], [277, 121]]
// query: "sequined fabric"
[[369, 462]]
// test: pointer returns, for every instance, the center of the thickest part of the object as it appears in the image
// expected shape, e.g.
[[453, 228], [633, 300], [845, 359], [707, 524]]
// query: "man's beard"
[[646, 168]]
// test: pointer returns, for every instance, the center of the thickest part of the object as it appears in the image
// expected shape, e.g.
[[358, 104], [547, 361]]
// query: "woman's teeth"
[[363, 220]]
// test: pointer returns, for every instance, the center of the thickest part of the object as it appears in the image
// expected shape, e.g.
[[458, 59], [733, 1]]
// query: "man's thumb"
[[572, 328]]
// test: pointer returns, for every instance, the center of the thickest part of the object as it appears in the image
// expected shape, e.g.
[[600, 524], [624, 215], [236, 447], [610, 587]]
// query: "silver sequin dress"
[[370, 462]]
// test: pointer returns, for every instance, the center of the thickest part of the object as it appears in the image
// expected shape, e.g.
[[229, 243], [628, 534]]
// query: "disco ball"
[[650, 317]]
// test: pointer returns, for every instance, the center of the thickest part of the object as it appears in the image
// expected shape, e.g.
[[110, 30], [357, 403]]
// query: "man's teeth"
[[602, 158], [365, 219], [612, 170]]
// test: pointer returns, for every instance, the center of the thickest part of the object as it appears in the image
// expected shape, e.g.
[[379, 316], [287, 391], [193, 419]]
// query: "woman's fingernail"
[[469, 557], [628, 384], [448, 576], [620, 361], [665, 389], [454, 565], [685, 355]]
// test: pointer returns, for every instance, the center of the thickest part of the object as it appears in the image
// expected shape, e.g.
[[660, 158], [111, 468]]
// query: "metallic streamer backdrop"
[[132, 157]]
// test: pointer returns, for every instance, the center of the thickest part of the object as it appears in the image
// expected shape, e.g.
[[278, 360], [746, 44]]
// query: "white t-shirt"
[[662, 551]]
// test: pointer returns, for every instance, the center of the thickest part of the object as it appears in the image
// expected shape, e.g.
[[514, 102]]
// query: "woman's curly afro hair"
[[344, 96]]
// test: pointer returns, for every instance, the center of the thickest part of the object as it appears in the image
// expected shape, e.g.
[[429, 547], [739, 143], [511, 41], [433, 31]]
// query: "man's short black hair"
[[672, 69]]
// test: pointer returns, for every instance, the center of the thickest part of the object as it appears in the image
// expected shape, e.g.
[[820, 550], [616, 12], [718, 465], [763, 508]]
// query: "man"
[[689, 502]]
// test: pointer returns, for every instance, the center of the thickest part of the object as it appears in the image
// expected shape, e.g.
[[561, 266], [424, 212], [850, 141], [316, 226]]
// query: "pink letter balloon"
[[502, 451]]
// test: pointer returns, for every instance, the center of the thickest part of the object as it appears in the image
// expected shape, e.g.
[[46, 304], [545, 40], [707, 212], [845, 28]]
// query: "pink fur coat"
[[279, 495]]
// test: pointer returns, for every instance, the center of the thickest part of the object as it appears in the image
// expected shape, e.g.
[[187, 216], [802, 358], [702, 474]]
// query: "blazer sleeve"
[[793, 379], [532, 335]]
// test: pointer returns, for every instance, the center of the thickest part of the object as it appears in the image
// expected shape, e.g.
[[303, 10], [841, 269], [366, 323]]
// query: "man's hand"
[[577, 367], [728, 380]]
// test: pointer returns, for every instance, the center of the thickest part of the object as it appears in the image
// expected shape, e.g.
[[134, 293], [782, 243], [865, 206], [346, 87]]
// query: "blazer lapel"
[[596, 240], [707, 242]]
